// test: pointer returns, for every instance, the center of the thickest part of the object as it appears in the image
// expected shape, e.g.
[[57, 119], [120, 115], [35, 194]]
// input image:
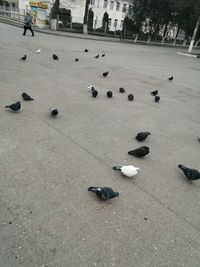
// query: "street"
[[47, 216]]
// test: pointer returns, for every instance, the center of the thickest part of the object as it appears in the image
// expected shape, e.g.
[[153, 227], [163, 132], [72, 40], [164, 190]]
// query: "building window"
[[105, 3], [124, 8], [92, 2], [111, 5], [121, 24], [115, 23], [118, 6], [109, 22]]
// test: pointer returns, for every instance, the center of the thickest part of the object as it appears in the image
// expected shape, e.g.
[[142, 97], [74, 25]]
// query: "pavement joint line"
[[104, 163], [186, 54]]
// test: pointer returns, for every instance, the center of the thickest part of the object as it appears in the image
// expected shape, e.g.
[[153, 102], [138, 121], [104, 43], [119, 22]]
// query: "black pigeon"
[[86, 50], [55, 57], [122, 90], [130, 97], [76, 59], [154, 93], [23, 58], [54, 112], [104, 193], [103, 55], [157, 98], [105, 74], [96, 56], [191, 174], [94, 93], [15, 107], [142, 136], [139, 152], [109, 94], [171, 78], [26, 97]]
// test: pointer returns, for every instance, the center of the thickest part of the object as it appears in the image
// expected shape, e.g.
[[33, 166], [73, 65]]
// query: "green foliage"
[[158, 14], [90, 19], [105, 21], [55, 9]]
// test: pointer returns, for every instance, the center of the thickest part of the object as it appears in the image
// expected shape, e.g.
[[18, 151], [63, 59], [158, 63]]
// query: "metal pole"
[[194, 36]]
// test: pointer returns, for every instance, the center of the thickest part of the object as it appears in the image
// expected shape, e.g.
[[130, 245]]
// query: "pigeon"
[[94, 93], [157, 98], [154, 93], [198, 138], [104, 193], [86, 50], [129, 170], [15, 107], [23, 58], [91, 88], [54, 112], [105, 74], [38, 51], [26, 97], [103, 55], [171, 78], [76, 59], [191, 174], [97, 56], [130, 97], [122, 90], [55, 57], [109, 94], [142, 136], [139, 152]]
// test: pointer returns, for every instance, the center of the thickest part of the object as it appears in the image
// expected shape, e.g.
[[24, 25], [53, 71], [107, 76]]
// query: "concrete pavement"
[[47, 164]]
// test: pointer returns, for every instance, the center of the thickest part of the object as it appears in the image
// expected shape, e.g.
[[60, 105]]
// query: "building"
[[116, 10]]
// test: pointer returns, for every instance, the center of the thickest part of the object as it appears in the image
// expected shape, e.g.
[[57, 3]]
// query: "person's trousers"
[[28, 28]]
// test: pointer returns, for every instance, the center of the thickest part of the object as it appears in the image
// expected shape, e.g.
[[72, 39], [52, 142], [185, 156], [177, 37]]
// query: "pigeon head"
[[116, 194]]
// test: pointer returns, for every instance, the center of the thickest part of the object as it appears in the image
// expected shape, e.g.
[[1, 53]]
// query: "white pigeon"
[[129, 170], [91, 88], [38, 51]]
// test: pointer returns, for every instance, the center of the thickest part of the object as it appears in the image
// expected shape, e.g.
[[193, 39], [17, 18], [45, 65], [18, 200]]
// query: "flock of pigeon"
[[106, 193]]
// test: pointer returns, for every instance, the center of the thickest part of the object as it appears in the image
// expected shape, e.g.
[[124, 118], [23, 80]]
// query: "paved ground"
[[47, 164]]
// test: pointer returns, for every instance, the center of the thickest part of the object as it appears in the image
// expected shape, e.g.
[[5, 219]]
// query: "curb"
[[188, 55]]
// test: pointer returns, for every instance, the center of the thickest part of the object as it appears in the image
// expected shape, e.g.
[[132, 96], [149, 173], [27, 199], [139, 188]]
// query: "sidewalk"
[[90, 36]]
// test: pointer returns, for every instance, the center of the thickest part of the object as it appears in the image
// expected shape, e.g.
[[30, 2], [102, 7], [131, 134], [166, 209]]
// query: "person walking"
[[28, 24]]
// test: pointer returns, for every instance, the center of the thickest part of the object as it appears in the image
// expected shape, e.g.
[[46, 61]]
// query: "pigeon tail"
[[117, 168], [93, 189]]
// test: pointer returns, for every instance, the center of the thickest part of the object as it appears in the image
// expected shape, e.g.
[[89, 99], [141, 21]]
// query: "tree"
[[55, 9], [85, 19], [105, 21], [90, 19]]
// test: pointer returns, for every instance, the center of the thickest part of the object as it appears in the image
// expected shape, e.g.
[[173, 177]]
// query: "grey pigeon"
[[15, 107], [104, 193], [140, 151], [103, 55], [94, 93], [86, 50], [27, 97], [55, 57], [54, 112], [109, 94], [23, 58], [130, 97], [171, 78], [105, 74], [191, 174], [154, 93], [157, 98], [142, 136], [122, 90], [97, 56]]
